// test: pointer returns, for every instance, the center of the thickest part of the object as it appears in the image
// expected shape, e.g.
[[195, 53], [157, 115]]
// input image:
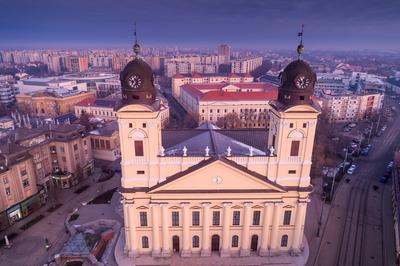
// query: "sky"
[[270, 24]]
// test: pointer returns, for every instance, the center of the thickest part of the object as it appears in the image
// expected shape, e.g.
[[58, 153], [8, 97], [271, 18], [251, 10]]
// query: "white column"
[[133, 251], [275, 227], [166, 250], [205, 240], [245, 247], [225, 252], [298, 236], [156, 251], [127, 246], [186, 233], [268, 211]]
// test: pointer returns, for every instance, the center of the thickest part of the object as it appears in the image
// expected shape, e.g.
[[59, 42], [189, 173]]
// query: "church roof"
[[275, 187], [240, 141]]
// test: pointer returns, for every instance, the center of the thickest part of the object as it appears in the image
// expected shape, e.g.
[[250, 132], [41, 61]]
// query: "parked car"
[[351, 169]]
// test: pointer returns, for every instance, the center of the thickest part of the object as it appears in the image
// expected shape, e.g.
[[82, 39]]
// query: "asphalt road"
[[359, 226]]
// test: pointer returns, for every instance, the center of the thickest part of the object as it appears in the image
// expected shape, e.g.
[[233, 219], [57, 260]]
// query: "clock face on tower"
[[301, 82], [134, 82]]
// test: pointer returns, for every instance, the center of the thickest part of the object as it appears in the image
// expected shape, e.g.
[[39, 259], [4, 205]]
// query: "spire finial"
[[136, 46], [300, 47]]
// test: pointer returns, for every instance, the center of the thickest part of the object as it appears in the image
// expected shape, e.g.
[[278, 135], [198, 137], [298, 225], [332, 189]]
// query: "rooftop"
[[106, 129], [100, 102], [221, 91], [242, 142]]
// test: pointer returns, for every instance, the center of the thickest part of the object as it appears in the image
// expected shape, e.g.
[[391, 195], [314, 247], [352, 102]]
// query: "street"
[[357, 227]]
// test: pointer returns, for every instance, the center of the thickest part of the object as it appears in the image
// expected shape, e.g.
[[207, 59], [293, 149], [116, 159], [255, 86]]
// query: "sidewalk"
[[312, 218], [28, 246]]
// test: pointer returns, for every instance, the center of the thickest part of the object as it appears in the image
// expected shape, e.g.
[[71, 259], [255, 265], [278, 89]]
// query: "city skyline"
[[335, 25]]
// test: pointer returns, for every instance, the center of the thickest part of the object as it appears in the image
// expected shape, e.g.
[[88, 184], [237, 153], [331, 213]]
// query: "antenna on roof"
[[300, 47]]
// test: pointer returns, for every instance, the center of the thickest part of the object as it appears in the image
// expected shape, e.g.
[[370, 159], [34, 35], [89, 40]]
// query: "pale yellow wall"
[[18, 192]]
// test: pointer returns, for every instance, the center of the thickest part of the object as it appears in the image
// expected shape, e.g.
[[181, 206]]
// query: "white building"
[[212, 102], [188, 64], [345, 107], [246, 65], [37, 84]]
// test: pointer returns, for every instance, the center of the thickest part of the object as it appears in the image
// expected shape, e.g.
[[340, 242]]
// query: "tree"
[[230, 120]]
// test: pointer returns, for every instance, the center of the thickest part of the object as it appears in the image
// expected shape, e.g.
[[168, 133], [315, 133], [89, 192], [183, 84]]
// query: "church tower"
[[293, 123], [139, 121]]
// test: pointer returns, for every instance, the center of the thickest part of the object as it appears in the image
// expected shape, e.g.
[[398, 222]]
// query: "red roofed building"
[[103, 108], [195, 78], [211, 102]]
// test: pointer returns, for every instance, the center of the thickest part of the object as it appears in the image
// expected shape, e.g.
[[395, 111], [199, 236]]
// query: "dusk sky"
[[341, 25]]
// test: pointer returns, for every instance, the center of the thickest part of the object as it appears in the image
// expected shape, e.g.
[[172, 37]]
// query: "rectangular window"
[[25, 183], [175, 218], [256, 217], [75, 147], [196, 218], [102, 145], [143, 218], [5, 180], [139, 148], [292, 171], [97, 143], [130, 125], [144, 125], [216, 218], [236, 218], [108, 146], [8, 191], [291, 125], [304, 125], [23, 172], [92, 143], [140, 172], [294, 149], [286, 217]]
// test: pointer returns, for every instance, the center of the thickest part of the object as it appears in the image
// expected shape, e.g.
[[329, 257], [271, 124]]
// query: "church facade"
[[194, 192]]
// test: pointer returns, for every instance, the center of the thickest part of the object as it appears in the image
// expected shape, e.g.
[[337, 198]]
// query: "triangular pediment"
[[217, 176]]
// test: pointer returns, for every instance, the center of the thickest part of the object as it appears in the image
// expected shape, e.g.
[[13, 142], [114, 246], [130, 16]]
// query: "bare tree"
[[230, 120]]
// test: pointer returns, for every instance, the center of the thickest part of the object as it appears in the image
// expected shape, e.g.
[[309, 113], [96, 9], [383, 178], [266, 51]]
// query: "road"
[[358, 228], [177, 113]]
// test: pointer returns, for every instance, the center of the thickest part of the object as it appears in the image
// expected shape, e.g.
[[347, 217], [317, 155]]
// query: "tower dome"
[[137, 81], [297, 83]]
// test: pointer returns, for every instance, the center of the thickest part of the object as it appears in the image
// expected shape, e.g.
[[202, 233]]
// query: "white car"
[[350, 171]]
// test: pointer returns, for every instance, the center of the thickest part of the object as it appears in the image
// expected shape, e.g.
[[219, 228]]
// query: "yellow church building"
[[207, 191]]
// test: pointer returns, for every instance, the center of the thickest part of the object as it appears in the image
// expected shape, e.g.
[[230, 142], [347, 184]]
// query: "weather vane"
[[136, 46], [300, 47]]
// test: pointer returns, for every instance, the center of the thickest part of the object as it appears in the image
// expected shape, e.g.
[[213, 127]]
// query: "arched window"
[[235, 241], [145, 242], [196, 241], [284, 241]]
